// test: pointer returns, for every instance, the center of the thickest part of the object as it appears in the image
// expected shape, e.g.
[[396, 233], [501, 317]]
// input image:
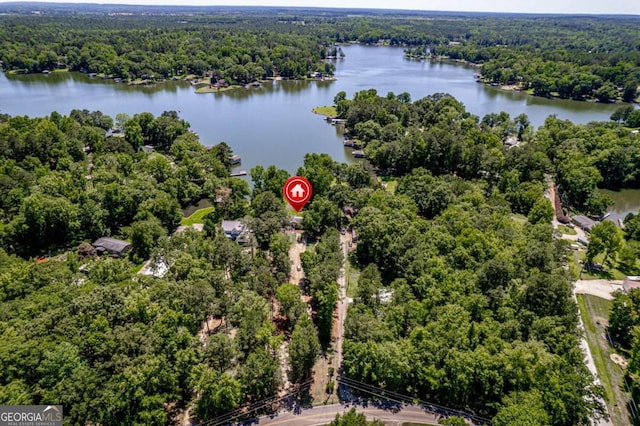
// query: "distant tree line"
[[157, 48], [575, 57]]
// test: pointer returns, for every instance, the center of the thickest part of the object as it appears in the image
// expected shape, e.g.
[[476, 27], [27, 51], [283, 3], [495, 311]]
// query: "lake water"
[[274, 124], [625, 201]]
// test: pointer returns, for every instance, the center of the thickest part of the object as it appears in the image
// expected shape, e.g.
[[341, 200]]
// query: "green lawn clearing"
[[564, 229], [328, 110], [610, 272], [352, 274], [197, 216]]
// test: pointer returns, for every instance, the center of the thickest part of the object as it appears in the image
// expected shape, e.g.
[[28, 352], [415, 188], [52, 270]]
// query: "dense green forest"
[[455, 227], [237, 50], [571, 57], [480, 316], [119, 348], [65, 183], [474, 287], [436, 133]]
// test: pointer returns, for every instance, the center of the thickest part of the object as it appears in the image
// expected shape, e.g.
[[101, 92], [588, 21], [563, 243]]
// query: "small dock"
[[335, 120], [358, 153], [239, 173], [349, 143]]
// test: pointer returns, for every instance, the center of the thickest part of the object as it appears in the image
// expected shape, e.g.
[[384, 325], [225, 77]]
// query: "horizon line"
[[302, 7]]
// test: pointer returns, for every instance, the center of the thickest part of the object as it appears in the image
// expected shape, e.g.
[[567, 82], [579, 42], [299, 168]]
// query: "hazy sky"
[[529, 6]]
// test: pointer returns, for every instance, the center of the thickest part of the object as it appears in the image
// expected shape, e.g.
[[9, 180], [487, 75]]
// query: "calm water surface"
[[274, 124], [625, 201]]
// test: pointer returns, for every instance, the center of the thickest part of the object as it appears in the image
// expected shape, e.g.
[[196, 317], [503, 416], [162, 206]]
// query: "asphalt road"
[[323, 415]]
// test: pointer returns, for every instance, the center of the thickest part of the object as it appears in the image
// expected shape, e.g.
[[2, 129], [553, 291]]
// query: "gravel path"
[[599, 288]]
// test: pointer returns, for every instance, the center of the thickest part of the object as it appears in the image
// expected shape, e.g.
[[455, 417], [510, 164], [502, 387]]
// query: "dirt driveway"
[[599, 288]]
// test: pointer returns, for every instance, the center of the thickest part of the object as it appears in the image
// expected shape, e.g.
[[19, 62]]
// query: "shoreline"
[[325, 111], [529, 92], [200, 86], [506, 87]]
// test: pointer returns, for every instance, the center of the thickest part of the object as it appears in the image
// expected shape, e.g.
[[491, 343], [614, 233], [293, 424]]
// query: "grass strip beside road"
[[594, 346], [352, 275], [196, 217], [594, 312]]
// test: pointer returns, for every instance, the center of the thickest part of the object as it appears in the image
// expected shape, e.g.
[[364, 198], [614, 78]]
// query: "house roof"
[[584, 222], [230, 226], [114, 132], [158, 269], [111, 244], [295, 219], [510, 141]]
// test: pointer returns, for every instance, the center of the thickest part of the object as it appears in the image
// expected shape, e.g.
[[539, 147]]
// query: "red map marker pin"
[[297, 191]]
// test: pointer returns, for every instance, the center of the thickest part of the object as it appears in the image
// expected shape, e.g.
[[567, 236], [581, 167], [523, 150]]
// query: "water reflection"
[[273, 124], [625, 201], [47, 81]]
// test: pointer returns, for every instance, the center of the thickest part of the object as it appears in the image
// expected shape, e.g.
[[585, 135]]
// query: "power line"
[[381, 393], [243, 411], [364, 387]]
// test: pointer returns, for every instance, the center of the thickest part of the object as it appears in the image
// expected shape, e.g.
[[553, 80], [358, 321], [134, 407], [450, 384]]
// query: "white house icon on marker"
[[297, 191]]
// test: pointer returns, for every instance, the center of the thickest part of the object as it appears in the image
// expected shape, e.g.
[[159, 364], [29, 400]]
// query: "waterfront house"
[[232, 228], [218, 83], [112, 246], [584, 222]]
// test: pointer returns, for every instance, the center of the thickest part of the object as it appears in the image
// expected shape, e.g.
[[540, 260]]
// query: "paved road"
[[323, 415]]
